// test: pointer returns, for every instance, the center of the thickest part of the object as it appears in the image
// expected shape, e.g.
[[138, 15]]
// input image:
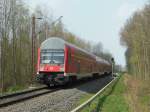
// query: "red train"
[[60, 62]]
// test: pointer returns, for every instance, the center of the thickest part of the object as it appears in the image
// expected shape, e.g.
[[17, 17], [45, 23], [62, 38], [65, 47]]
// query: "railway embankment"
[[126, 94], [63, 100], [112, 99]]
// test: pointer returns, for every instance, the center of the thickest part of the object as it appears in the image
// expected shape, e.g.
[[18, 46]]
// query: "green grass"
[[111, 100], [13, 89], [145, 99], [85, 98]]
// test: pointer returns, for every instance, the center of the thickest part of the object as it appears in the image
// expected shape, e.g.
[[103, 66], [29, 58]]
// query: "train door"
[[78, 66]]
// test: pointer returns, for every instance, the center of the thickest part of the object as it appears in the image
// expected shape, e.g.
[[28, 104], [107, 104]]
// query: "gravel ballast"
[[63, 100]]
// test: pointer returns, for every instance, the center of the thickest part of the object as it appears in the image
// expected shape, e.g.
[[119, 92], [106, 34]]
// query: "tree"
[[135, 35]]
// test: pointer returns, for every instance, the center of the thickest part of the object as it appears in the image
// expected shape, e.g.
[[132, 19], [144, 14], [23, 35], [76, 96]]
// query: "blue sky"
[[94, 20]]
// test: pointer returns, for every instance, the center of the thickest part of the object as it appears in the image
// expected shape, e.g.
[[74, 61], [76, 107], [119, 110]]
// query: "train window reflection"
[[52, 57]]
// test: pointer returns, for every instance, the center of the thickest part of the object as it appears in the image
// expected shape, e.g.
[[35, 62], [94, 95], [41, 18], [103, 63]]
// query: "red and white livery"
[[60, 62]]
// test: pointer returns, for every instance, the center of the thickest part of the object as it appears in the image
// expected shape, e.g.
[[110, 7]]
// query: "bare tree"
[[135, 35]]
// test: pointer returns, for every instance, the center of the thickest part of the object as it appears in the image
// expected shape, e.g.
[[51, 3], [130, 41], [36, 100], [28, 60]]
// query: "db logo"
[[51, 68]]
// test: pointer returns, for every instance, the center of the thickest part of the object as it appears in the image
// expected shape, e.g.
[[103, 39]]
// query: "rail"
[[88, 102], [21, 96], [21, 92]]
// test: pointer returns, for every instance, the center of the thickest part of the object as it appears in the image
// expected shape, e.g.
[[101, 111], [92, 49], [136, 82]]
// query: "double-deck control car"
[[60, 62]]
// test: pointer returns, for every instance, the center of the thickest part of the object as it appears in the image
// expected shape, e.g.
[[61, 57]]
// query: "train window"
[[52, 57], [58, 57]]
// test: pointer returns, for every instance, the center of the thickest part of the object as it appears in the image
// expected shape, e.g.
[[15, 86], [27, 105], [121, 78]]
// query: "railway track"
[[9, 99], [6, 100], [19, 97]]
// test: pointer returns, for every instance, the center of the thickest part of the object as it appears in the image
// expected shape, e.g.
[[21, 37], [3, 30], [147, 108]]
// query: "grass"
[[111, 100], [17, 88], [85, 98], [127, 94], [144, 96], [138, 94], [14, 89]]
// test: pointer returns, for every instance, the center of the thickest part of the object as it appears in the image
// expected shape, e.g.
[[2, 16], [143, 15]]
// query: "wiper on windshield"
[[51, 62]]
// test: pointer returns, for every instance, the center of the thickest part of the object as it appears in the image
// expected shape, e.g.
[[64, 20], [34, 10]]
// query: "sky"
[[94, 20]]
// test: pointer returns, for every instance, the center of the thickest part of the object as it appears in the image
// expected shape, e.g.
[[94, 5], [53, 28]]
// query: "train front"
[[50, 67]]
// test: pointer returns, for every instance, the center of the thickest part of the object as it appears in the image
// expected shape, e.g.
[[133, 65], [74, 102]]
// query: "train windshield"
[[52, 57]]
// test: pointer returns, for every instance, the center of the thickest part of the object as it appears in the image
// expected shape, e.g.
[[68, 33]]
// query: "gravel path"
[[63, 100]]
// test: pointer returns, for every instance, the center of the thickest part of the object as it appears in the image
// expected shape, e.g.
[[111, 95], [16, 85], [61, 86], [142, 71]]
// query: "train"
[[60, 62]]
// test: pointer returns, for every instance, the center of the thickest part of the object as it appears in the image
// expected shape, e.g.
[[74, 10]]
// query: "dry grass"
[[137, 94], [144, 96]]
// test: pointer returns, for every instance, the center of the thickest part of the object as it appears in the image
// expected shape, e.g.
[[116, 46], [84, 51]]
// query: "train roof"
[[53, 43], [58, 43], [98, 59]]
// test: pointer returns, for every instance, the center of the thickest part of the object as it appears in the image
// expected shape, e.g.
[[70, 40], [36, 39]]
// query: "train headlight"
[[62, 69]]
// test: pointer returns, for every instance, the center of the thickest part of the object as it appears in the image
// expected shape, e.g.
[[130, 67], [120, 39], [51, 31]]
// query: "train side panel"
[[78, 63]]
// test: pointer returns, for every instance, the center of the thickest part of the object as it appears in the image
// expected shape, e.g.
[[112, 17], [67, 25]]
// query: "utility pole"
[[48, 28], [46, 31], [57, 20], [34, 39], [33, 46]]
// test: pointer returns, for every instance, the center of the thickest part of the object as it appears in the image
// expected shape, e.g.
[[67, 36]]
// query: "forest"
[[16, 32], [135, 35]]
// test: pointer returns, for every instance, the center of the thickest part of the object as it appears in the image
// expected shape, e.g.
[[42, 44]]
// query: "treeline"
[[16, 42], [136, 36]]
